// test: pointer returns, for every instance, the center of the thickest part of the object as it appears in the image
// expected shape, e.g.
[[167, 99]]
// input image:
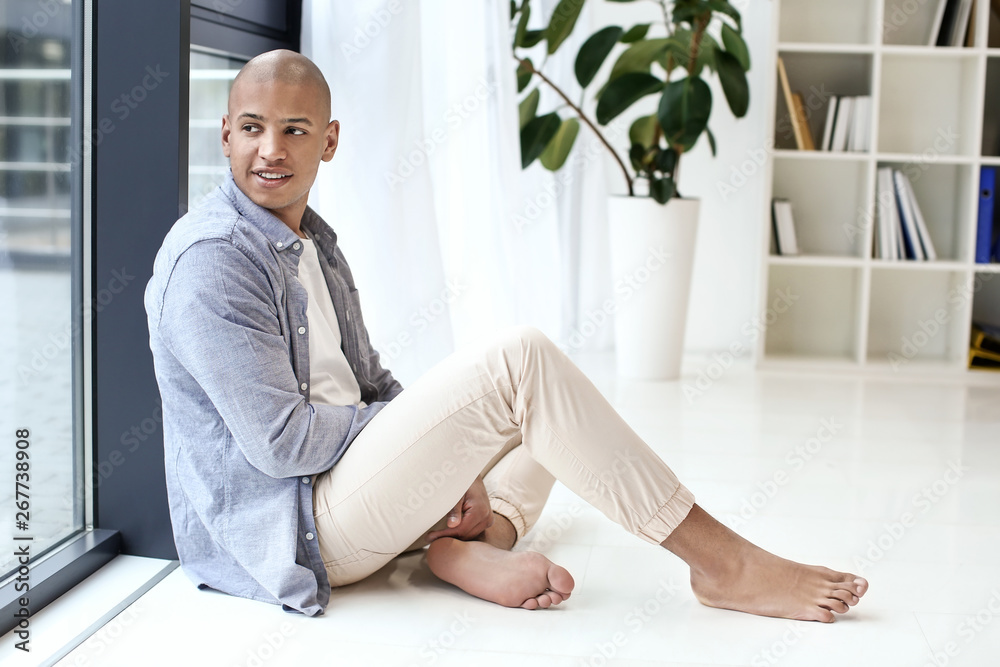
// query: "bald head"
[[283, 66]]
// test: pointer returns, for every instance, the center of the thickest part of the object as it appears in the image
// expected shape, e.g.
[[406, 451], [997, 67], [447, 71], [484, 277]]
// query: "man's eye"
[[296, 131], [251, 128]]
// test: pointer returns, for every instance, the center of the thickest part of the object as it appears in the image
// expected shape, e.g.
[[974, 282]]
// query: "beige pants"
[[515, 408]]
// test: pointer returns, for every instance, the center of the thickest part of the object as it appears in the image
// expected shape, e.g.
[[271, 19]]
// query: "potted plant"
[[655, 220]]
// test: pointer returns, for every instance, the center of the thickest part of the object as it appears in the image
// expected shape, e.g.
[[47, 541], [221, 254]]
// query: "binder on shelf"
[[961, 23], [983, 360], [888, 216], [984, 225], [784, 227]]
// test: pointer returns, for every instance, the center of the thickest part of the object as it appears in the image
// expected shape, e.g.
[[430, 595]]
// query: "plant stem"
[[579, 112]]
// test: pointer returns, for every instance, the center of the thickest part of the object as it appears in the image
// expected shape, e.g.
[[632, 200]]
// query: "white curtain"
[[447, 237]]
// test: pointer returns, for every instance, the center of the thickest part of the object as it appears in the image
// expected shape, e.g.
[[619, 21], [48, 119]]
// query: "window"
[[211, 78], [40, 278]]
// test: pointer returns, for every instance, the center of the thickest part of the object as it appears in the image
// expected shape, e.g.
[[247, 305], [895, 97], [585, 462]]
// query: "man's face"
[[275, 136]]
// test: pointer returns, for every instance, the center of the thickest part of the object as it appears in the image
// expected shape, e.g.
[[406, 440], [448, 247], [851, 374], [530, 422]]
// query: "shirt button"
[[296, 246], [279, 244], [302, 330], [309, 536], [304, 386], [305, 480]]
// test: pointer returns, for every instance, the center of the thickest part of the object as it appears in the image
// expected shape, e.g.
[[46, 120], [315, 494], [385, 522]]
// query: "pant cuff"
[[512, 513], [668, 516]]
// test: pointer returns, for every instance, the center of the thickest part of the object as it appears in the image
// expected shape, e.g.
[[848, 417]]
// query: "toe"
[[845, 596], [833, 604], [861, 586], [530, 603]]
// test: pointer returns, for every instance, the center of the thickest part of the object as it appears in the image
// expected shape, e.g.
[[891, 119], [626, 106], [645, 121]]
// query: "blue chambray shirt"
[[242, 443]]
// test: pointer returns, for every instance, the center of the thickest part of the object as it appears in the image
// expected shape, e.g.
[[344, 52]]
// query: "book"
[[936, 24], [911, 237], [925, 237], [948, 20], [858, 136], [797, 127], [984, 226], [970, 35], [887, 215], [842, 124], [961, 23], [831, 114], [784, 227], [803, 120]]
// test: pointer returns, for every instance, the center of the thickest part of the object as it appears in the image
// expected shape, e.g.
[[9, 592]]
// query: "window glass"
[[211, 78], [40, 316]]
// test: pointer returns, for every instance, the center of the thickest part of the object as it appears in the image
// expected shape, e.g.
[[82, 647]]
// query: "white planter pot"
[[652, 252]]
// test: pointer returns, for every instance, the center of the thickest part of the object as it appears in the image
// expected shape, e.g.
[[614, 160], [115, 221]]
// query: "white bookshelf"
[[936, 116]]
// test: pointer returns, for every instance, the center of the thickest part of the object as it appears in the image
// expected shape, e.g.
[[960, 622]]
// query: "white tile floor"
[[896, 478]]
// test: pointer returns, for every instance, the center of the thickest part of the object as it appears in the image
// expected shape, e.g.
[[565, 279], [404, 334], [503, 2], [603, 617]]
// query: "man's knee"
[[531, 336]]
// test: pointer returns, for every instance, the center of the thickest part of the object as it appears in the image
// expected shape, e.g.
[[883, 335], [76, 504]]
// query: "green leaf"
[[532, 37], [638, 57], [711, 140], [666, 160], [684, 109], [536, 135], [528, 106], [522, 26], [593, 52], [643, 131], [636, 154], [724, 7], [513, 9], [561, 24], [557, 151], [680, 49], [624, 91], [662, 189], [524, 74], [734, 83], [635, 33], [735, 45]]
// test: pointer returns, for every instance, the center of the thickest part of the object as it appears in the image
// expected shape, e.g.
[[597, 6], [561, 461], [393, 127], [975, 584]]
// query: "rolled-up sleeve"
[[219, 319]]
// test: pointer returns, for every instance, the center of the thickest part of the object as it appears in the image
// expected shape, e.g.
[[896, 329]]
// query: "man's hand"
[[470, 517]]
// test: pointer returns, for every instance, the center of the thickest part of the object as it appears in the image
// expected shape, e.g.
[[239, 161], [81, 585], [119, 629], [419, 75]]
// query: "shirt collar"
[[276, 232]]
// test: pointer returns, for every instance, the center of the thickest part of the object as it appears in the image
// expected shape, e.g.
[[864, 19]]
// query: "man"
[[295, 461]]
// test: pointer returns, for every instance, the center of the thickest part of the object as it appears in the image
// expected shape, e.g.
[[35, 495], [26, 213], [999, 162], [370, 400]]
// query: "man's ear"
[[226, 129], [332, 140]]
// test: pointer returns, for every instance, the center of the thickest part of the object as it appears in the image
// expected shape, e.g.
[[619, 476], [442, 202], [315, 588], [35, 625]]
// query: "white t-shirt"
[[330, 375]]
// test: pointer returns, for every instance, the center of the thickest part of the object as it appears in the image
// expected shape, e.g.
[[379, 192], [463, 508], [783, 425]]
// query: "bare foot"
[[729, 572], [761, 583], [522, 579]]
